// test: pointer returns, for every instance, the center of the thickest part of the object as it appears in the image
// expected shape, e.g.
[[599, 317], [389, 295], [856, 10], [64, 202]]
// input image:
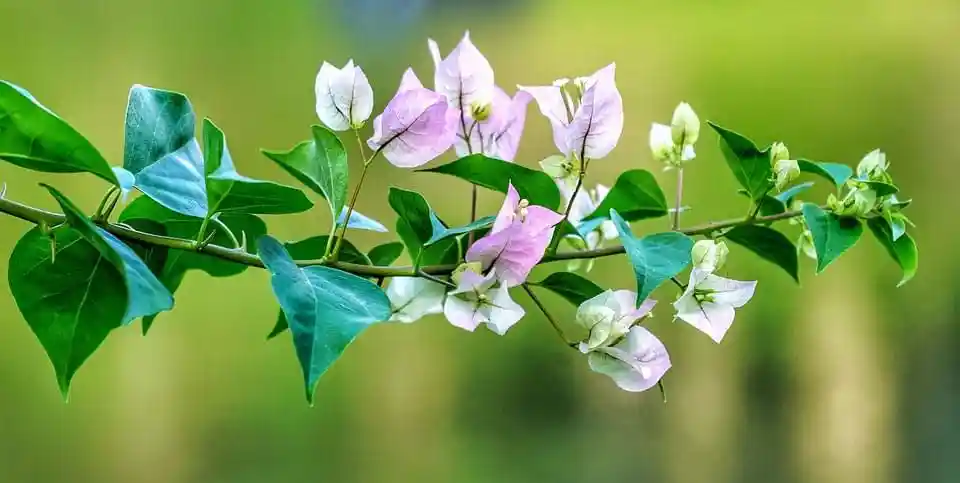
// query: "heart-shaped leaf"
[[636, 196], [320, 164], [749, 164], [94, 284], [229, 191], [572, 287], [33, 137], [161, 150], [832, 235], [836, 173], [495, 174], [903, 250], [769, 244], [326, 308], [655, 258]]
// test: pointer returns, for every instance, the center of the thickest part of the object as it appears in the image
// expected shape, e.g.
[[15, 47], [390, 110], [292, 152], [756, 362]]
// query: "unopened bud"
[[859, 202], [709, 255], [685, 127], [805, 244], [778, 152], [873, 165], [661, 145], [786, 171], [481, 111]]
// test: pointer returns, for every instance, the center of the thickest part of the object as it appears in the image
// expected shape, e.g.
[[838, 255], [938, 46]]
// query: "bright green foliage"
[[836, 173], [655, 258], [903, 249], [326, 309], [496, 174], [33, 137], [636, 196], [769, 244], [750, 165], [572, 287], [415, 228], [832, 234], [386, 254]]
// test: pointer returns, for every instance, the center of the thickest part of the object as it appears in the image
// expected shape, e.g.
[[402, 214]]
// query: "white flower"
[[873, 165], [411, 298], [476, 302], [664, 150], [685, 127], [609, 316], [709, 256], [635, 364], [344, 96], [709, 301], [562, 169]]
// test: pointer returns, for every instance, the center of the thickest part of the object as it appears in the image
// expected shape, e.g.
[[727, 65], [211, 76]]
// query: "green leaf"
[[384, 255], [832, 235], [441, 232], [769, 244], [414, 225], [326, 309], [497, 175], [161, 150], [836, 173], [774, 205], [72, 301], [903, 249], [636, 196], [572, 287], [881, 188], [229, 191], [655, 258], [787, 196], [33, 137], [320, 164], [751, 166], [313, 248]]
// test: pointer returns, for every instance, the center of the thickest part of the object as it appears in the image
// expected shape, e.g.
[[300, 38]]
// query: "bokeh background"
[[845, 379]]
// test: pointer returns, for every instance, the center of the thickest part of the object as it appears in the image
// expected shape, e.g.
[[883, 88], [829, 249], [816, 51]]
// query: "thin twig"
[[676, 212], [553, 322]]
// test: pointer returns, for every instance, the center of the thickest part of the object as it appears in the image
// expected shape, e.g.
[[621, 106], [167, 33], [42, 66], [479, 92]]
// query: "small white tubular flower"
[[709, 301], [609, 316], [873, 166], [476, 302], [635, 364], [344, 96], [561, 169], [685, 127], [709, 256], [412, 298]]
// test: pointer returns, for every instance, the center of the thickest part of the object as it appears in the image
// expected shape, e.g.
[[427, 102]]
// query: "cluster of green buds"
[[785, 170], [870, 193]]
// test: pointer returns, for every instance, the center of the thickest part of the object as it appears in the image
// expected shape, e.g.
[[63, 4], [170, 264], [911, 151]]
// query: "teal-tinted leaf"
[[325, 308], [440, 231], [903, 249], [33, 137], [495, 174], [750, 165], [229, 191], [359, 221], [95, 284], [769, 244], [572, 287], [836, 173], [125, 181], [384, 255], [832, 235], [788, 195], [636, 196], [655, 258], [320, 164], [161, 150]]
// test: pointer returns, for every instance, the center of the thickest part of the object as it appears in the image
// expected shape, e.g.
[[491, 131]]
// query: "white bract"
[[609, 316], [709, 301], [673, 145], [475, 301], [412, 298], [873, 166], [344, 96], [635, 364], [709, 256]]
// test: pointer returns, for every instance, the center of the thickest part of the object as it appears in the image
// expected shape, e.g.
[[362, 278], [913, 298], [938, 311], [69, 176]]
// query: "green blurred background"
[[845, 379]]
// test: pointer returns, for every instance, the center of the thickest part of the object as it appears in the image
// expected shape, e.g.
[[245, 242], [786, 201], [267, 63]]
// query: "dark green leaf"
[[903, 249], [495, 174], [161, 150], [655, 258], [572, 287], [95, 284], [836, 173], [769, 244], [326, 308], [832, 235], [882, 189], [751, 166], [413, 226], [229, 191], [320, 164], [384, 255], [636, 196], [440, 231], [33, 137], [313, 248]]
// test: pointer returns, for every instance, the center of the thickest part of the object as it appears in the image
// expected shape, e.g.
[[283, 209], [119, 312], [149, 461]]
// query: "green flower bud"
[[709, 255], [786, 171], [778, 152], [481, 112], [685, 126], [873, 166]]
